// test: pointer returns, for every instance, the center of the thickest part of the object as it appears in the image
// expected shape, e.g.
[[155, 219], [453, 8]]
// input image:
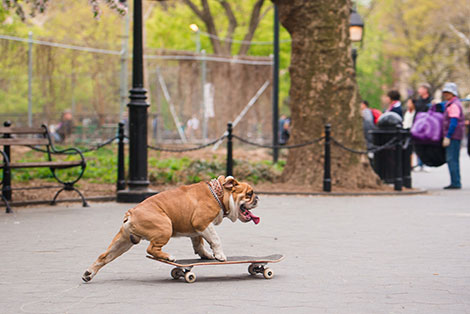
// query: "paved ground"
[[402, 254]]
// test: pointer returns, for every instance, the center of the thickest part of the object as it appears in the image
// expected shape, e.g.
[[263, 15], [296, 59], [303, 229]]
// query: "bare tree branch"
[[209, 21], [206, 17], [265, 12], [254, 21], [195, 9], [232, 25], [461, 35]]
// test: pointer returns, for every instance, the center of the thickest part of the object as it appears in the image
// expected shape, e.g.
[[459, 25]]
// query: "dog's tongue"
[[254, 218]]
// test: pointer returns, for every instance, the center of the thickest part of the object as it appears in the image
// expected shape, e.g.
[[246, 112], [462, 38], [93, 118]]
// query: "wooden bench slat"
[[44, 164], [24, 141], [20, 130]]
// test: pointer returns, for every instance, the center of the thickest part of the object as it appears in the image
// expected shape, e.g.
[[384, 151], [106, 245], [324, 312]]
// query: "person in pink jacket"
[[454, 130]]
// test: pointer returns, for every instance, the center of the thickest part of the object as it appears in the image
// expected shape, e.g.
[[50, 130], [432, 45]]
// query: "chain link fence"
[[191, 95]]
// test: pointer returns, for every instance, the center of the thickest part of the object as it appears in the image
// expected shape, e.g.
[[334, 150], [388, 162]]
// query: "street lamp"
[[196, 30], [138, 176], [356, 30]]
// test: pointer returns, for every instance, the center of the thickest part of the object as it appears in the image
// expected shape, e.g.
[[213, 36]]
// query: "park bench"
[[39, 139]]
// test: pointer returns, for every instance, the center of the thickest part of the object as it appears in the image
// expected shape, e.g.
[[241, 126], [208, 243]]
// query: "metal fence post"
[[229, 150], [407, 151], [398, 162], [327, 160], [6, 187], [121, 182]]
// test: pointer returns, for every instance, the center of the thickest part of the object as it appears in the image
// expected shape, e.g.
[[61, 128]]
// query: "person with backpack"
[[453, 131], [368, 122], [376, 113]]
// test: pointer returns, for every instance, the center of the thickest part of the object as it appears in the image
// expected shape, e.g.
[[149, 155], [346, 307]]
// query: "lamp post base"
[[134, 195]]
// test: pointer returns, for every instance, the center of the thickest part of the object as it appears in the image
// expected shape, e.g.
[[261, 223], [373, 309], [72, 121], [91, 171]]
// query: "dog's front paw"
[[171, 258], [205, 255], [220, 257]]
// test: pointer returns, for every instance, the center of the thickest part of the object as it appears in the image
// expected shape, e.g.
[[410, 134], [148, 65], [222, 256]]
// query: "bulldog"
[[190, 211]]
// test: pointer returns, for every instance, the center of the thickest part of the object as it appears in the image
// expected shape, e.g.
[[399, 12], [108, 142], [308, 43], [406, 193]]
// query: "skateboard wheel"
[[176, 273], [268, 273], [190, 277], [251, 269]]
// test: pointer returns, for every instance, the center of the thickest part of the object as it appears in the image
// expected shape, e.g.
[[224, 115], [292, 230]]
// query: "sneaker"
[[452, 187]]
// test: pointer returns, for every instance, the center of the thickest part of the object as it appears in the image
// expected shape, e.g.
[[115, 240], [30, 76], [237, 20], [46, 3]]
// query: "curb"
[[383, 193], [113, 198]]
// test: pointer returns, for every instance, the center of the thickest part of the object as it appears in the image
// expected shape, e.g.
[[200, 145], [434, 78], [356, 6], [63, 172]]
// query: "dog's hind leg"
[[198, 245], [121, 243], [156, 244]]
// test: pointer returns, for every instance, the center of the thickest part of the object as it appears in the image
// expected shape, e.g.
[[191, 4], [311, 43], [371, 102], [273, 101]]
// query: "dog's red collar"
[[218, 192]]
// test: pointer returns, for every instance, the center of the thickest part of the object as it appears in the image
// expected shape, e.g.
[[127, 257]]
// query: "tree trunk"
[[323, 90]]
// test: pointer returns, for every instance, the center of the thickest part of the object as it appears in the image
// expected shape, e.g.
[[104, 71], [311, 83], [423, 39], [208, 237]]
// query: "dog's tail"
[[126, 224]]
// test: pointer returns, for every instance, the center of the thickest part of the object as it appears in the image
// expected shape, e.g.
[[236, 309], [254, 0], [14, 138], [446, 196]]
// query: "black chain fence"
[[189, 149], [317, 140], [392, 144], [83, 151]]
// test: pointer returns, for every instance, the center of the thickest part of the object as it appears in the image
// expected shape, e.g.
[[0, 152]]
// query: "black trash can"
[[393, 164], [384, 161]]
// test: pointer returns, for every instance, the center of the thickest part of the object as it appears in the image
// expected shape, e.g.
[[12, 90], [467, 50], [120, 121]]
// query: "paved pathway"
[[401, 254]]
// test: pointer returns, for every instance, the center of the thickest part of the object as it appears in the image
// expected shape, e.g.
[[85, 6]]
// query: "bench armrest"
[[6, 161]]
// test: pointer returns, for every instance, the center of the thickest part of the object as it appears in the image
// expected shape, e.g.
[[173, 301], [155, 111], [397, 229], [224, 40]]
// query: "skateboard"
[[257, 265]]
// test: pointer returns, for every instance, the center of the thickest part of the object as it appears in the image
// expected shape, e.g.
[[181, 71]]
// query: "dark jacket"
[[397, 110], [422, 104]]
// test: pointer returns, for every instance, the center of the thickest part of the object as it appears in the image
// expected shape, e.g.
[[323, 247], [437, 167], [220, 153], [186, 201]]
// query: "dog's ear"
[[230, 182]]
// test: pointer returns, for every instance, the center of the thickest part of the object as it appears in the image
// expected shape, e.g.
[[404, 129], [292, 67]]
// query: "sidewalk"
[[403, 254], [392, 254]]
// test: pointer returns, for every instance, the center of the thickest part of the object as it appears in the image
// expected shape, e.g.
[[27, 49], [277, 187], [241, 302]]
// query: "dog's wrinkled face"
[[242, 200]]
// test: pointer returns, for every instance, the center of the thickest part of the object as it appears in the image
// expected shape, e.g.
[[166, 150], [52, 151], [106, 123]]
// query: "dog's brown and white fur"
[[190, 211]]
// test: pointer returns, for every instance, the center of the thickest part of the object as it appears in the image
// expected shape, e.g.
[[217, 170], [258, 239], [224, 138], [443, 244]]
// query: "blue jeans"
[[452, 158], [420, 162]]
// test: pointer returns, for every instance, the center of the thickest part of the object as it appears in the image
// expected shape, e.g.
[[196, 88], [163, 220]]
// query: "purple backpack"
[[427, 127]]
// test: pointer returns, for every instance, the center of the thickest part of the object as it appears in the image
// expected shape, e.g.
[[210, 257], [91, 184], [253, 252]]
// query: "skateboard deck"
[[257, 265]]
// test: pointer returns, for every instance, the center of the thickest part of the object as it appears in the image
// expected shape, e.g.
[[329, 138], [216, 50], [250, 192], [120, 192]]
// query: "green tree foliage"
[[374, 69], [417, 34], [62, 78], [33, 7]]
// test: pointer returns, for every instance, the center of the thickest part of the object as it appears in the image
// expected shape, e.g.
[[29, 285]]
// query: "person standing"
[[192, 126], [65, 127], [423, 103], [393, 101], [280, 126], [285, 132], [454, 129], [367, 123], [409, 113]]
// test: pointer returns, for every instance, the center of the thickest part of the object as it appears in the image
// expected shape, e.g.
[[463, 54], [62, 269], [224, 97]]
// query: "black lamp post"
[[356, 30], [138, 178]]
